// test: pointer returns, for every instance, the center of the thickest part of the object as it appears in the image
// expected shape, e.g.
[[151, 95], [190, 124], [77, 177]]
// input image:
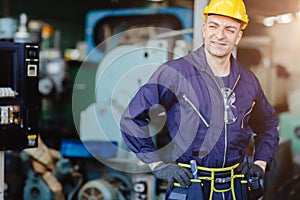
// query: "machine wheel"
[[98, 189]]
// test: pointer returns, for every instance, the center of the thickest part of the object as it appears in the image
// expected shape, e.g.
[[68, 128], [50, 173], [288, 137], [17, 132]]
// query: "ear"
[[203, 29], [239, 37]]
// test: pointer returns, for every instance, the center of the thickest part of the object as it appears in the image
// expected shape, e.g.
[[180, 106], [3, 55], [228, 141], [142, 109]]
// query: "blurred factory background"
[[88, 69]]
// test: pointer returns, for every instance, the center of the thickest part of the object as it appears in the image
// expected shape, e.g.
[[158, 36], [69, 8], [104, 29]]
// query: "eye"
[[230, 31], [212, 26]]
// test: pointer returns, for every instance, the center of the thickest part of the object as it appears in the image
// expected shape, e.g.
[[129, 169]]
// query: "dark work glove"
[[173, 173], [255, 191], [254, 170]]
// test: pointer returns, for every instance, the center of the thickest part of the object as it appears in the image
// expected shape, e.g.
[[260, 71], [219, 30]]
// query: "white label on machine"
[[7, 92], [31, 70]]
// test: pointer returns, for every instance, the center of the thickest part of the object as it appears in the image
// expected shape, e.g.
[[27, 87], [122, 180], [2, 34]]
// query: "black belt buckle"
[[223, 180]]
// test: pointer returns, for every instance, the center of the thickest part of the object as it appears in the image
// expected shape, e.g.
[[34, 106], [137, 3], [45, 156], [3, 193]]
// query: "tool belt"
[[220, 180]]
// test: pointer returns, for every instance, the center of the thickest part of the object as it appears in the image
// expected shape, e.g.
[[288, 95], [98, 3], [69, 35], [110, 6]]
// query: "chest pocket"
[[196, 110]]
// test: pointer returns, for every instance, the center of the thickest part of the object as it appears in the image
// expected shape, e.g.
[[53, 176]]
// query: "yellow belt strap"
[[212, 178]]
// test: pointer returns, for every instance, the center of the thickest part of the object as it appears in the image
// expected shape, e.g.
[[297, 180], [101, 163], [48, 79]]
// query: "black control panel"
[[19, 96]]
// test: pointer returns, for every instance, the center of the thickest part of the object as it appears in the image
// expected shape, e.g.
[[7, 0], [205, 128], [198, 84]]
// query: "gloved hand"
[[173, 173], [254, 170]]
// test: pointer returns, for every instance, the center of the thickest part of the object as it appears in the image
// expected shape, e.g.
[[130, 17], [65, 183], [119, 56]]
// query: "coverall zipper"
[[247, 113], [225, 100]]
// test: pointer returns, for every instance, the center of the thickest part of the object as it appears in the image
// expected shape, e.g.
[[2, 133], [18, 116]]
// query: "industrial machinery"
[[128, 45], [109, 186], [50, 177], [99, 189], [19, 105]]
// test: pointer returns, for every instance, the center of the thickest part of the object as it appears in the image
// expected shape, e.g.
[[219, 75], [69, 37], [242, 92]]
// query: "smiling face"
[[221, 34]]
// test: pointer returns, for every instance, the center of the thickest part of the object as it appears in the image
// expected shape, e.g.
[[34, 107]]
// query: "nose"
[[220, 33]]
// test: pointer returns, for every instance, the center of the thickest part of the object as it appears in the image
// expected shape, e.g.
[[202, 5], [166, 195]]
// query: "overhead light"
[[280, 19], [285, 18], [269, 21]]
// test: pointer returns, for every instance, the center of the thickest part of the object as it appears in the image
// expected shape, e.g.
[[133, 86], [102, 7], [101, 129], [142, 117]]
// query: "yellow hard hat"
[[230, 8]]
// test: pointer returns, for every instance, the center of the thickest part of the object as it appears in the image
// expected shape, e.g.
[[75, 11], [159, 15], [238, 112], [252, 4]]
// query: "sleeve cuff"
[[154, 165]]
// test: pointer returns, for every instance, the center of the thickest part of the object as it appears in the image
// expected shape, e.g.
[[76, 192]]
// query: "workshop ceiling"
[[257, 11], [257, 7], [271, 7]]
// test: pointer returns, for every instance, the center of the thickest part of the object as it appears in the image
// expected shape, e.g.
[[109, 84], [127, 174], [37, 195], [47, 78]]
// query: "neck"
[[219, 65]]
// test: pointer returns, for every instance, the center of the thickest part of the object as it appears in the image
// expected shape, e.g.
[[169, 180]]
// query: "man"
[[212, 106]]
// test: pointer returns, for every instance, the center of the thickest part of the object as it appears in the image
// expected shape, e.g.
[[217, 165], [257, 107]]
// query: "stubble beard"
[[217, 51]]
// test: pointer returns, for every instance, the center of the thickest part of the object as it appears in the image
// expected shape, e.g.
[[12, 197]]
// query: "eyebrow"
[[229, 26]]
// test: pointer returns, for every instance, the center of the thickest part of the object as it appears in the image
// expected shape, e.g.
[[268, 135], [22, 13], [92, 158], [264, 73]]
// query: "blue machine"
[[101, 24]]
